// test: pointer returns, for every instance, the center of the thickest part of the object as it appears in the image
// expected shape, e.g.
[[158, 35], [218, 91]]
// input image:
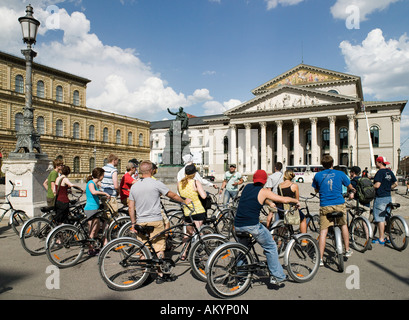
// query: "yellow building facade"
[[81, 136]]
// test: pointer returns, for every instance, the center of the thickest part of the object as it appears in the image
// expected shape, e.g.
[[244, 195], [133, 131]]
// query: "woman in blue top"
[[92, 205]]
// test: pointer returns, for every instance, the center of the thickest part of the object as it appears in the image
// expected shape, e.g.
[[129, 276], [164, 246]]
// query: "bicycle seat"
[[144, 230], [47, 209], [210, 220], [393, 205], [333, 215], [243, 234]]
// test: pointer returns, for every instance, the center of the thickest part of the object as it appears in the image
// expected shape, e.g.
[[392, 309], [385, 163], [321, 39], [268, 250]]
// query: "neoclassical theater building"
[[295, 118]]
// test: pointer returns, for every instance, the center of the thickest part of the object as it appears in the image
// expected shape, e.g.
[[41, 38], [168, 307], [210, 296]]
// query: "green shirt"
[[232, 178], [51, 178]]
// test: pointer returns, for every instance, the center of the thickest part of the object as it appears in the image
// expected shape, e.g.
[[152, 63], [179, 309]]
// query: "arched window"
[[343, 138], [225, 145], [375, 136], [91, 164], [18, 119], [333, 91], [130, 138], [40, 89], [325, 139], [40, 125], [59, 128], [19, 83], [141, 140], [59, 94], [91, 133], [76, 167], [105, 135], [118, 136], [76, 130], [76, 98]]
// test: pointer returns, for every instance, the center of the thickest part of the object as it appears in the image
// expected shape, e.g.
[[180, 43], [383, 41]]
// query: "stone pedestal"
[[168, 174], [28, 174]]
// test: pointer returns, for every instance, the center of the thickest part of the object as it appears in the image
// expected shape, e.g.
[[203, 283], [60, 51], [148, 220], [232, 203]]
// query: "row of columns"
[[296, 122]]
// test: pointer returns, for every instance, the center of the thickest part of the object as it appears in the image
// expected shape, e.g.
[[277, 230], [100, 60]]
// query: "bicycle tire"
[[33, 235], [224, 278], [200, 252], [120, 274], [281, 235], [225, 221], [115, 226], [303, 258], [65, 246], [359, 234], [397, 233], [17, 219], [314, 226], [338, 255]]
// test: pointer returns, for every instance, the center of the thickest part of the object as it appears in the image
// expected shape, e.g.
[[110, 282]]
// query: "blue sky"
[[207, 55]]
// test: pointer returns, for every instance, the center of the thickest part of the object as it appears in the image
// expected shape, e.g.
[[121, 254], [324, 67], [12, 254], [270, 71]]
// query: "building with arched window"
[[81, 136], [296, 118]]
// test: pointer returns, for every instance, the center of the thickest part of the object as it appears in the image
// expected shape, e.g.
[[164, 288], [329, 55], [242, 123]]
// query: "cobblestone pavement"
[[25, 277]]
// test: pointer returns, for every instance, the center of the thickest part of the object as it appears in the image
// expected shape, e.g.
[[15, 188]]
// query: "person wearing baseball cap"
[[247, 220], [384, 182]]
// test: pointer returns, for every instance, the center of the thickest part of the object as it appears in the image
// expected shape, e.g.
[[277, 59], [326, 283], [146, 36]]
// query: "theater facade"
[[295, 118]]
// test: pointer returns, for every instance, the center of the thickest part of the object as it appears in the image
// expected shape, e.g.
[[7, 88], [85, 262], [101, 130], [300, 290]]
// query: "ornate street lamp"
[[27, 138]]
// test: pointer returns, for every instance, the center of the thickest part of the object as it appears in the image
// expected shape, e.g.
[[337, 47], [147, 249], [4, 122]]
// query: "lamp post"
[[399, 172], [27, 138]]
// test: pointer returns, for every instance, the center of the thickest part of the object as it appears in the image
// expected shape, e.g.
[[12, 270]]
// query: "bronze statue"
[[182, 117]]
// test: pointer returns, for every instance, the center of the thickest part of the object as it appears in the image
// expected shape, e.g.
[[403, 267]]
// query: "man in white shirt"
[[187, 160], [276, 178]]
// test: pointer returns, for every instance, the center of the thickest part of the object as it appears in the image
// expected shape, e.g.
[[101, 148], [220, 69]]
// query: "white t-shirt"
[[274, 180]]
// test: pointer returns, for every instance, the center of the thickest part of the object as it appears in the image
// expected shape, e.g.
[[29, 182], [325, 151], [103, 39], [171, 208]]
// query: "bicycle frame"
[[7, 202]]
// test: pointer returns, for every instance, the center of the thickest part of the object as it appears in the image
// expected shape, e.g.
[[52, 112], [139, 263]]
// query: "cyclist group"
[[142, 195]]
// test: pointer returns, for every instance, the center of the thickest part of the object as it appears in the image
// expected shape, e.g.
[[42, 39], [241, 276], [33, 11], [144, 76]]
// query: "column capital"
[[263, 124], [247, 125], [279, 123], [351, 117], [314, 120], [232, 126], [332, 119], [395, 118], [296, 122]]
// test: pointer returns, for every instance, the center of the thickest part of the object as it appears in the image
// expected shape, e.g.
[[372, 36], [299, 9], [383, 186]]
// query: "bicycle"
[[66, 243], [125, 263], [232, 266], [359, 227], [313, 220], [396, 227], [17, 217]]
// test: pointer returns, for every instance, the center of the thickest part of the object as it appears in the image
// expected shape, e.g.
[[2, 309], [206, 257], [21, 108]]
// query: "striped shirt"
[[107, 184]]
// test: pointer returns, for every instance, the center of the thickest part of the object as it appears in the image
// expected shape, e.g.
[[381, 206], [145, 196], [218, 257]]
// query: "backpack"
[[365, 190]]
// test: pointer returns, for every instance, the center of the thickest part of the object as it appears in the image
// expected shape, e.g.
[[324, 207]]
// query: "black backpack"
[[365, 190]]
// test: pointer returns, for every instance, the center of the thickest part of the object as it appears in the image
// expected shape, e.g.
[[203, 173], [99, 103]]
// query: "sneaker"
[[160, 279], [274, 280], [321, 263], [348, 253]]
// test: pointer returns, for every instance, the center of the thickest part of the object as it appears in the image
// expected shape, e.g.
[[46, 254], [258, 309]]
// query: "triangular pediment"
[[290, 97], [303, 75]]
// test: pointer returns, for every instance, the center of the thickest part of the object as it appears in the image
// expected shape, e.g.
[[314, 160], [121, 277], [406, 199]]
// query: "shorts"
[[90, 213], [379, 208], [159, 243], [325, 223], [196, 217]]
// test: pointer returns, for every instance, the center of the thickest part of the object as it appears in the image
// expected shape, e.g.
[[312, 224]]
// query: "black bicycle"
[[232, 267], [126, 262]]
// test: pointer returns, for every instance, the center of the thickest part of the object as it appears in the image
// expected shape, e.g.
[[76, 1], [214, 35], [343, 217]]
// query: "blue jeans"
[[264, 238], [379, 208], [227, 196]]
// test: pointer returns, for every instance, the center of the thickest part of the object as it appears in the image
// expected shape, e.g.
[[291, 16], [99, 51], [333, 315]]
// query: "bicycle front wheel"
[[397, 233], [200, 252], [124, 264], [359, 232], [34, 234], [228, 274], [303, 258], [65, 246], [17, 220]]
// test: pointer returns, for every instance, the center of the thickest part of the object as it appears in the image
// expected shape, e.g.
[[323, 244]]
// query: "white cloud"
[[120, 81], [271, 4], [366, 7], [215, 107], [382, 64]]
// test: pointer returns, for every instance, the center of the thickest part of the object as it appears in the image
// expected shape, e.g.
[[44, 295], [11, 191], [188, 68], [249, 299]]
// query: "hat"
[[187, 158], [190, 169], [355, 169], [233, 165], [382, 160], [260, 176]]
